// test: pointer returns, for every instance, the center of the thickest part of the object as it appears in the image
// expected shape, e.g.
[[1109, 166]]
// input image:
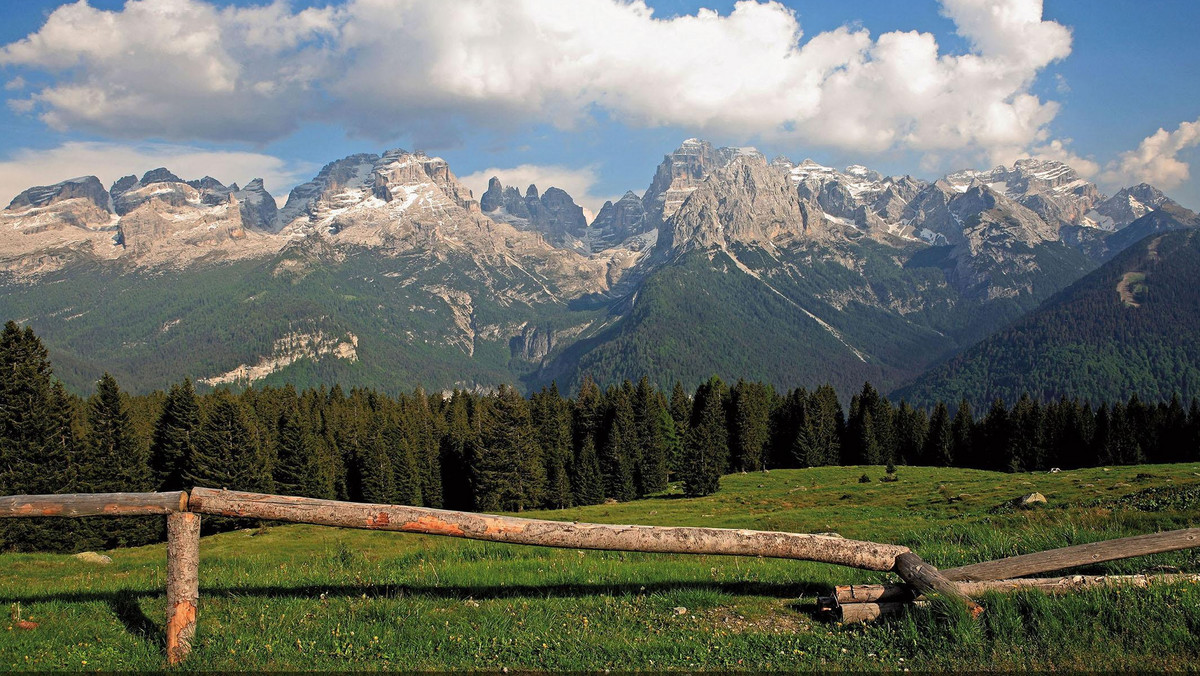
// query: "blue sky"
[[589, 94]]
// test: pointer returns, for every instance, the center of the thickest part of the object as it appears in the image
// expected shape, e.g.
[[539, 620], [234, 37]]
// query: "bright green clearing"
[[306, 597]]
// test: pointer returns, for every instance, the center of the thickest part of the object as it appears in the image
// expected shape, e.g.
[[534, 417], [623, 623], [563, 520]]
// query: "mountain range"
[[385, 271]]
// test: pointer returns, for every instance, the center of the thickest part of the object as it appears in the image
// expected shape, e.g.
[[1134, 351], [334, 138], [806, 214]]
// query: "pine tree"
[[299, 469], [617, 453], [938, 450], [114, 463], [962, 430], [552, 419], [38, 446], [826, 424], [457, 452], [175, 437], [750, 404], [587, 481], [508, 469], [911, 428], [655, 430], [707, 447], [226, 453], [681, 414]]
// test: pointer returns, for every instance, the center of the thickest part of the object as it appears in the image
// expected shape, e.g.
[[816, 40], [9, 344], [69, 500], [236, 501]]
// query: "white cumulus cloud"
[[1156, 159], [188, 69], [25, 168], [578, 183]]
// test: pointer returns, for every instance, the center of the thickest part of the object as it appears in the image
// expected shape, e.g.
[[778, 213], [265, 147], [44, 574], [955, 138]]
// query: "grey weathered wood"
[[183, 583], [516, 530], [927, 579], [902, 593], [1078, 555], [93, 504]]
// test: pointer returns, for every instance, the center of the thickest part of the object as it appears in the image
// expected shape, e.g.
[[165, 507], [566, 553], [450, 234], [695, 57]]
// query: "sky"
[[589, 95]]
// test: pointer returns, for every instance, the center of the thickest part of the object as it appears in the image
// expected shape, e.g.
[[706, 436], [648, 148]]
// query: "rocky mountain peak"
[[161, 175], [86, 187], [554, 213]]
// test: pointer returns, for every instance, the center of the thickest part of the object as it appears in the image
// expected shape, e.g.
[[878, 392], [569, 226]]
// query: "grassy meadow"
[[307, 597]]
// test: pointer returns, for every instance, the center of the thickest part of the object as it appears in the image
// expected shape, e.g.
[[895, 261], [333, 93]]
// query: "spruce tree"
[[587, 481], [457, 452], [654, 431], [826, 424], [617, 453], [508, 471], [938, 449], [750, 404], [175, 437], [681, 414], [552, 419], [115, 462], [962, 429], [299, 469], [226, 454], [707, 447]]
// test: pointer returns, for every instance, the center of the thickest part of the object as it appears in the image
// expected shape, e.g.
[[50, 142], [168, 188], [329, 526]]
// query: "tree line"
[[501, 451]]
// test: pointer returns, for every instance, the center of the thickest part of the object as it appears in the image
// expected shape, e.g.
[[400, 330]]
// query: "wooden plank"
[[183, 583], [516, 530], [926, 579], [92, 504], [1078, 555], [902, 593]]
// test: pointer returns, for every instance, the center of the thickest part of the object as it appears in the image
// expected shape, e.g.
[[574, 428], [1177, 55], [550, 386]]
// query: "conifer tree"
[[707, 447], [680, 407], [654, 431], [226, 453], [175, 437], [115, 462], [552, 419], [938, 449], [457, 452], [508, 470], [406, 473], [587, 481], [750, 404], [617, 453], [299, 469], [962, 430], [911, 428], [826, 424]]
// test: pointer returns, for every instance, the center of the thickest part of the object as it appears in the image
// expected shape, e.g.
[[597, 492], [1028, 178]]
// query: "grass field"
[[307, 597]]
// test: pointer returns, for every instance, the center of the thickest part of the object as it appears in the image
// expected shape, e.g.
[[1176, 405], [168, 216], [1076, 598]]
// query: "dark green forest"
[[501, 451], [1131, 326]]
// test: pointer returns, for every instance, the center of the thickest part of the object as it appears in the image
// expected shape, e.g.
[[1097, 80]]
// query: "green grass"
[[306, 597]]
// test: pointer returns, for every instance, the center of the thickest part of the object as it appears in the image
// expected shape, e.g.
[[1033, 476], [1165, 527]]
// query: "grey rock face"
[[1130, 204], [257, 206], [554, 213], [617, 222], [352, 170], [87, 187]]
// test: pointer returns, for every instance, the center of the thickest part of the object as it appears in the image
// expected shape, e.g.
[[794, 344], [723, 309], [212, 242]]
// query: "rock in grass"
[[93, 557], [1028, 501]]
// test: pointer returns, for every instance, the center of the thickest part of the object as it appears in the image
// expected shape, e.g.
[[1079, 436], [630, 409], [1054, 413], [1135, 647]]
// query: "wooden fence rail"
[[183, 512]]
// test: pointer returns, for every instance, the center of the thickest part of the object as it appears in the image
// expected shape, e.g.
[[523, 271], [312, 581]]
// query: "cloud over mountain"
[[1156, 160], [191, 70]]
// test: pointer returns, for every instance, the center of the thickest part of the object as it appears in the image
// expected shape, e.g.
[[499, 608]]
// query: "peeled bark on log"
[[516, 530], [1078, 555], [927, 579], [901, 593], [183, 583], [93, 504]]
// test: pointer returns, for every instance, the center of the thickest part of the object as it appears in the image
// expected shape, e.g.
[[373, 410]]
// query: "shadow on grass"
[[126, 604]]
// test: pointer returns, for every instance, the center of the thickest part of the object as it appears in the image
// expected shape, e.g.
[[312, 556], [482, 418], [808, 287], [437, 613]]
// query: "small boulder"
[[1028, 501], [93, 557], [680, 610]]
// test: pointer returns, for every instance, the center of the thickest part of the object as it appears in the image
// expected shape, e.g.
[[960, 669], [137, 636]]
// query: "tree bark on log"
[[1078, 555], [866, 612], [926, 579], [516, 530], [183, 583], [93, 504], [901, 593]]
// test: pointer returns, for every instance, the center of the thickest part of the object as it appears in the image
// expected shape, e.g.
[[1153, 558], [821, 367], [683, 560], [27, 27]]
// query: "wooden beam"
[[902, 593], [516, 530], [93, 504], [926, 579], [183, 583], [1078, 555]]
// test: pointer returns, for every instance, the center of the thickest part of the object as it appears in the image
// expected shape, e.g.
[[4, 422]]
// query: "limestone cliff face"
[[618, 221], [682, 172], [746, 202]]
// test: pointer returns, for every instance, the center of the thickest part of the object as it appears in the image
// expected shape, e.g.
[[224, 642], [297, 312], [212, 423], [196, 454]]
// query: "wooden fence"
[[852, 603]]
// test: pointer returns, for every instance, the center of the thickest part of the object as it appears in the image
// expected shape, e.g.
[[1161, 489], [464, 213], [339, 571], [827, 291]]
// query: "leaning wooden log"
[[183, 583], [516, 530], [1078, 555], [902, 593], [93, 504], [926, 579]]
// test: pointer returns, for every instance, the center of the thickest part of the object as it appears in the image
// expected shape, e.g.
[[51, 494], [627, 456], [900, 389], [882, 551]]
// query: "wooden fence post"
[[183, 583]]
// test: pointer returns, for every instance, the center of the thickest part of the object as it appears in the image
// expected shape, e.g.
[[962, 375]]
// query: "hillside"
[[306, 597], [1132, 326]]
